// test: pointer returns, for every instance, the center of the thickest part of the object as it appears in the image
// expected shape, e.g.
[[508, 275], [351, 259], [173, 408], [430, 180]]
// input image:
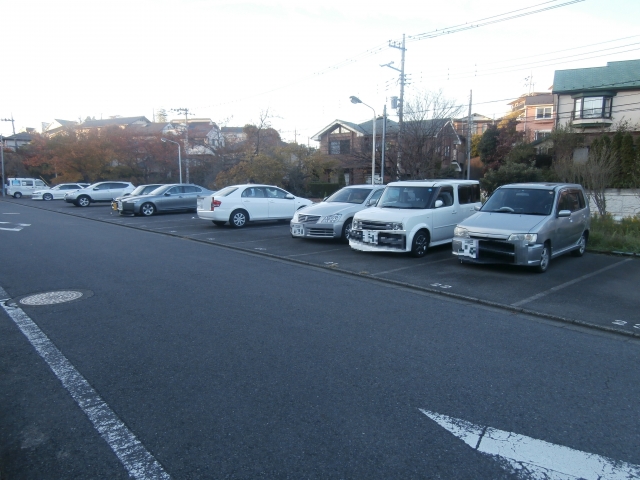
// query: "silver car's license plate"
[[469, 248], [297, 230], [369, 236]]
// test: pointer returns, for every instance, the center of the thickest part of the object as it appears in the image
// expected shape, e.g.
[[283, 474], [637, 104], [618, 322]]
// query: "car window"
[[119, 185], [446, 195], [581, 199], [69, 187], [527, 201], [376, 196], [349, 195], [175, 190], [410, 197], [273, 192], [27, 183], [253, 192], [40, 183], [468, 194], [102, 186], [569, 201], [192, 189]]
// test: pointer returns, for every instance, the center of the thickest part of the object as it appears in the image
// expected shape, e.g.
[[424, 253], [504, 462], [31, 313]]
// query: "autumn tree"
[[422, 138]]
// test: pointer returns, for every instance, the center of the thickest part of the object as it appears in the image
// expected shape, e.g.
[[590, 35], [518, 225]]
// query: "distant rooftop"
[[616, 76]]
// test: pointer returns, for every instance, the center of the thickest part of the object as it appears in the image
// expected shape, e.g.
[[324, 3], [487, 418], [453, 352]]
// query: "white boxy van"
[[413, 215], [17, 187]]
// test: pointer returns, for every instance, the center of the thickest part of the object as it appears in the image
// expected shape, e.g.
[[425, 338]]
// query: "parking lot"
[[597, 290]]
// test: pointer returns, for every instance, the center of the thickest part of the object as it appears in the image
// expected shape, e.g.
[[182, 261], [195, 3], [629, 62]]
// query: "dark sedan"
[[177, 197]]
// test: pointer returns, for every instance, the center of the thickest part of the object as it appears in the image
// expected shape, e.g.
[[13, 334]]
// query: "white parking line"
[[411, 266], [534, 459], [314, 253], [567, 284], [136, 459]]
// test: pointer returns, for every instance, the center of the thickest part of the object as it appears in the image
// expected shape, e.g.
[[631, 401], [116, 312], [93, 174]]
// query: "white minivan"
[[17, 187], [413, 215]]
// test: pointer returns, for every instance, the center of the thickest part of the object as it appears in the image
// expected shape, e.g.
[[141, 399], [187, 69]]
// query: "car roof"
[[541, 185], [433, 183]]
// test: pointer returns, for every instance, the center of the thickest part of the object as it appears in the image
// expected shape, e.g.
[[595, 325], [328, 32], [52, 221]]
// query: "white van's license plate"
[[469, 248], [369, 236]]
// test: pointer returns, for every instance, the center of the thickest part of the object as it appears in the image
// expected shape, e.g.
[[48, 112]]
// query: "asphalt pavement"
[[227, 357]]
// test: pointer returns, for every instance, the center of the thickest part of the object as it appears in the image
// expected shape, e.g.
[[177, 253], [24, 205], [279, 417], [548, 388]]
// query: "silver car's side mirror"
[[564, 213], [371, 201], [477, 208], [439, 203], [289, 196]]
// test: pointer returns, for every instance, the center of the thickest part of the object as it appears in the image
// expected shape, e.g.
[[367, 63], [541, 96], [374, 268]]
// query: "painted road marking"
[[568, 284], [17, 228], [534, 459], [314, 253], [136, 459], [413, 266]]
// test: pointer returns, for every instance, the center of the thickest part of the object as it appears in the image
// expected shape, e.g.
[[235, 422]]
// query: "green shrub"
[[608, 234]]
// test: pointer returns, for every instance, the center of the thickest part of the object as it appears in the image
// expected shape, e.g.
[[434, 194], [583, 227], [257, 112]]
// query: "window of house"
[[543, 112], [447, 150], [592, 107], [337, 147], [540, 134]]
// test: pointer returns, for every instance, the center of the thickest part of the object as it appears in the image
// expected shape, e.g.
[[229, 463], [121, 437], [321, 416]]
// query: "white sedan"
[[56, 193], [239, 204]]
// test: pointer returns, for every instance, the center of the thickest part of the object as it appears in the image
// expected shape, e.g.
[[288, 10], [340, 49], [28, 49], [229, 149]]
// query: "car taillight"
[[214, 203]]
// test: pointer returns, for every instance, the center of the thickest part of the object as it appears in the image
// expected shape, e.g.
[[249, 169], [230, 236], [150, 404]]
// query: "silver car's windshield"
[[349, 195], [525, 201], [407, 197]]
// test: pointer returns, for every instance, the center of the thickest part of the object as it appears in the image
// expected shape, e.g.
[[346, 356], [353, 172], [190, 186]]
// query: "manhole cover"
[[51, 298]]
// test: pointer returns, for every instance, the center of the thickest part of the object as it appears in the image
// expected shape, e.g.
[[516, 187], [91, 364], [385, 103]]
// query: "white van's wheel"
[[17, 195]]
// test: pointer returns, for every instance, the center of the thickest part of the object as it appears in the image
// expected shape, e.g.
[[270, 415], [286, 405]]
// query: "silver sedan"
[[332, 217], [176, 197]]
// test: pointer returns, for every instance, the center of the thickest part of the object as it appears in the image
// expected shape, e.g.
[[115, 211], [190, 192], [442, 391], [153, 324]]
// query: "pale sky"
[[301, 60]]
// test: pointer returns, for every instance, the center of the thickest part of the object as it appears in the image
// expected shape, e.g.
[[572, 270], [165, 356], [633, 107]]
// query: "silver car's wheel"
[[582, 246], [148, 209], [238, 219], [420, 244], [83, 201], [346, 230], [47, 197], [545, 258], [17, 195]]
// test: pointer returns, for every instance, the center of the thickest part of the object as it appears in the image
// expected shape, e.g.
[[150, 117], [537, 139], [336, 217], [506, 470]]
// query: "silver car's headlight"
[[461, 232], [523, 237], [331, 218]]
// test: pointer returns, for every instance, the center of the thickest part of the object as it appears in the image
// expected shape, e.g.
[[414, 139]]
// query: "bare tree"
[[599, 171], [424, 134]]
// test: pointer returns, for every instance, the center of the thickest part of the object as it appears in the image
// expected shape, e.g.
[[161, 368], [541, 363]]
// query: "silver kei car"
[[526, 224], [332, 217]]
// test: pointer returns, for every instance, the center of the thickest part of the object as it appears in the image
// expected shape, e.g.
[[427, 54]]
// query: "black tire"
[[420, 244], [17, 195], [147, 209], [238, 218], [47, 196], [83, 201], [582, 245], [218, 223], [545, 259], [346, 230]]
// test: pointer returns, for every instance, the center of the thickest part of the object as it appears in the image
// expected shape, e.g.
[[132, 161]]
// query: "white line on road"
[[534, 459], [411, 266], [314, 253], [567, 284], [136, 459]]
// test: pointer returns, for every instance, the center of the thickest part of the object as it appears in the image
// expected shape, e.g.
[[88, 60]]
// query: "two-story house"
[[596, 99], [534, 112]]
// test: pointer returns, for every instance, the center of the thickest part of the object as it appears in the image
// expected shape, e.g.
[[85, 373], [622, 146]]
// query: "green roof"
[[615, 76]]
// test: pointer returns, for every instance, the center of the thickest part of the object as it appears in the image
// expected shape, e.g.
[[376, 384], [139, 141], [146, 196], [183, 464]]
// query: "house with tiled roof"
[[598, 98], [56, 127], [151, 129], [535, 115], [121, 122]]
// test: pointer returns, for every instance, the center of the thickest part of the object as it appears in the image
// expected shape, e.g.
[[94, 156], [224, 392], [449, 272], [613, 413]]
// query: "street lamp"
[[179, 157], [373, 146]]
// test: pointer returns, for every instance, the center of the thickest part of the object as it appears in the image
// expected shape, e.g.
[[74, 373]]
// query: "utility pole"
[[13, 127], [401, 106], [384, 145], [186, 137], [469, 135], [2, 158]]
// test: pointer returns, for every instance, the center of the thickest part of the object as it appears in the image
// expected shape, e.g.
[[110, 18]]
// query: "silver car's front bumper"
[[479, 250], [316, 230]]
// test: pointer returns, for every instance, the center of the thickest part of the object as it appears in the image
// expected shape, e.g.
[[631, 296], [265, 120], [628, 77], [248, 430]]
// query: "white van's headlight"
[[461, 232], [523, 237], [394, 226]]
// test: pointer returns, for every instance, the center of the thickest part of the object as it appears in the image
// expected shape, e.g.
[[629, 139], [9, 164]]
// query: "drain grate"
[[51, 298]]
